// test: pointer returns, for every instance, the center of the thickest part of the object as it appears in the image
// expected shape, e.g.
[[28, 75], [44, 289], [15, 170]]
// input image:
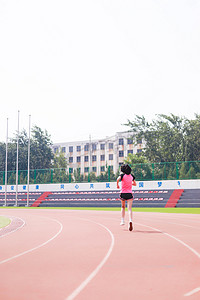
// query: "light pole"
[[16, 195], [6, 165], [28, 175]]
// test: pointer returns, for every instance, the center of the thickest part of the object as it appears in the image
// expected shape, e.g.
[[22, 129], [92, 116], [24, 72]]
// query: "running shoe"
[[130, 226], [122, 223]]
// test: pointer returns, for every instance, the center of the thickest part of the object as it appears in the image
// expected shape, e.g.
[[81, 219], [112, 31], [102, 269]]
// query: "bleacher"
[[148, 198], [190, 198], [21, 198], [142, 198]]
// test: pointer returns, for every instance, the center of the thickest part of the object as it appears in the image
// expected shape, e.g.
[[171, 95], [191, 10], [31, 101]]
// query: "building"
[[96, 155]]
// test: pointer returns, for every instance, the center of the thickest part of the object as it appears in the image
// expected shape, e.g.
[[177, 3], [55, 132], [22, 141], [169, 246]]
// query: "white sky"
[[85, 67]]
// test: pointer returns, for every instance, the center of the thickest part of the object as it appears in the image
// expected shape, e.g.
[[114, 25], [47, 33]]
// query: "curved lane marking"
[[10, 225], [37, 247], [10, 219], [98, 268], [181, 242], [184, 244], [180, 224], [192, 292], [169, 222]]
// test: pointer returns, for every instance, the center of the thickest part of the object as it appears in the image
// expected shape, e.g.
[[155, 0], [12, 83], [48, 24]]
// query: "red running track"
[[65, 254]]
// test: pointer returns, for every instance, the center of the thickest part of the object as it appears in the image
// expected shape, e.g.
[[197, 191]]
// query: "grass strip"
[[4, 221], [185, 210]]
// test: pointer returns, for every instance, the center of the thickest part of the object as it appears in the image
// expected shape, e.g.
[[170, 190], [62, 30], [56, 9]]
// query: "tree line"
[[41, 155], [166, 139]]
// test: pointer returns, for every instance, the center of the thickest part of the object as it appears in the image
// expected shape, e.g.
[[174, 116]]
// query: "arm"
[[118, 179], [134, 182]]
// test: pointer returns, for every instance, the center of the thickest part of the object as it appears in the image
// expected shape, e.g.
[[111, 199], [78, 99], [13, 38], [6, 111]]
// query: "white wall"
[[141, 185]]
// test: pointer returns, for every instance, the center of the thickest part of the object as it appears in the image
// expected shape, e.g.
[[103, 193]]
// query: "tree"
[[192, 139], [78, 177], [59, 161], [139, 165], [41, 154], [182, 171], [164, 138], [191, 173], [133, 159], [23, 151], [2, 156]]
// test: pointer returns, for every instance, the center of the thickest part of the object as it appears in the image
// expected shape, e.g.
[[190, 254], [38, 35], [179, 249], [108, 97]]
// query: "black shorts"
[[126, 196]]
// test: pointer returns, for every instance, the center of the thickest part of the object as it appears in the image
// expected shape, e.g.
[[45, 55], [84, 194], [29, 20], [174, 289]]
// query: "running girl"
[[127, 181]]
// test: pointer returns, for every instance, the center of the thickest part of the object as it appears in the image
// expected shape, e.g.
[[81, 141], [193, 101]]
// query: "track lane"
[[144, 264], [190, 225], [55, 270], [156, 266]]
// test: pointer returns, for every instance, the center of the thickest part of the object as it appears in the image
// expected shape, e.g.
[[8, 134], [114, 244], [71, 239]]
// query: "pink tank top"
[[127, 183]]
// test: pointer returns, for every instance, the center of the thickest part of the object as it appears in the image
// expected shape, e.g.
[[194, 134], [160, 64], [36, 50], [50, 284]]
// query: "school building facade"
[[96, 155]]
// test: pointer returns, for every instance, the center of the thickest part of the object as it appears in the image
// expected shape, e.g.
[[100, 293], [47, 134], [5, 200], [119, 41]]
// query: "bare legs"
[[123, 205], [123, 208], [129, 206]]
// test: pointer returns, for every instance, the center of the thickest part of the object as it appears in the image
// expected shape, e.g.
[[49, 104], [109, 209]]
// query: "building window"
[[71, 159], [139, 150], [56, 150], [86, 170], [78, 159], [129, 141], [102, 146], [94, 169], [70, 149], [139, 141], [110, 156], [94, 158], [103, 169], [70, 170], [86, 158], [130, 151], [86, 147], [94, 147], [111, 168], [121, 153], [78, 148], [121, 141], [110, 145], [103, 157], [63, 149]]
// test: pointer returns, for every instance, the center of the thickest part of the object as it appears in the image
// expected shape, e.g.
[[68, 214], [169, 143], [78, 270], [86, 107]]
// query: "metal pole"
[[6, 165], [90, 157], [16, 195], [28, 175]]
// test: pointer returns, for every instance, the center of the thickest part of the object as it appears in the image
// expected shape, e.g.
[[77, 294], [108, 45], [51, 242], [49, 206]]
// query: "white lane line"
[[10, 218], [192, 292], [184, 225], [185, 245], [172, 216], [169, 222], [173, 237], [23, 223], [98, 268], [37, 247]]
